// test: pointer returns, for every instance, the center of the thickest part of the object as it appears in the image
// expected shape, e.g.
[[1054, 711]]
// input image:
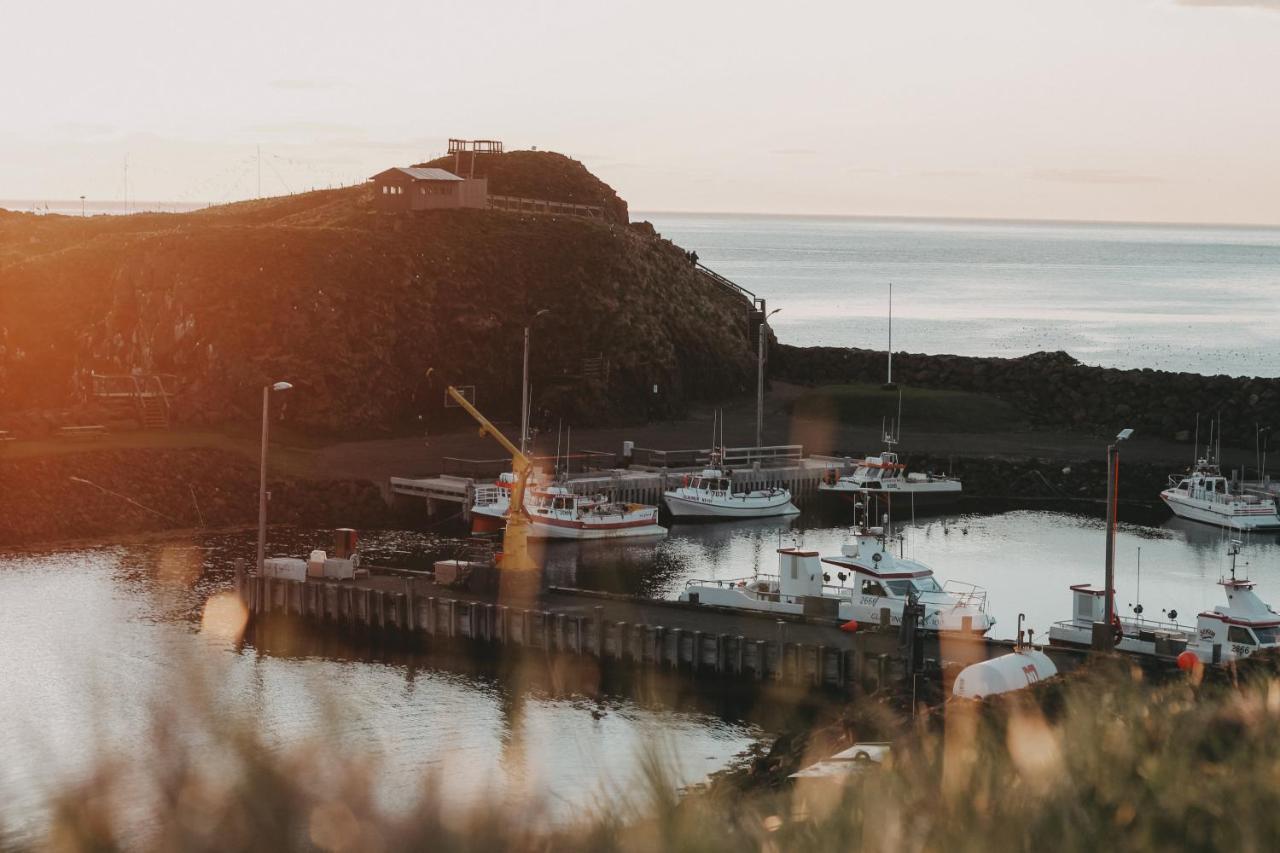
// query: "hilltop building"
[[418, 188]]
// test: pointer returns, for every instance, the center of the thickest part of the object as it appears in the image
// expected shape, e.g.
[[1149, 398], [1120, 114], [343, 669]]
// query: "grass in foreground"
[[1103, 761]]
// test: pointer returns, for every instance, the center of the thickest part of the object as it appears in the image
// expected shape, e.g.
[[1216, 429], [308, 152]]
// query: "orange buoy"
[[1187, 661], [850, 626]]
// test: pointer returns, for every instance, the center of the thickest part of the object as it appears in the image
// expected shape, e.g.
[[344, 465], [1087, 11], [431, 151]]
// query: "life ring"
[[1117, 630], [685, 481]]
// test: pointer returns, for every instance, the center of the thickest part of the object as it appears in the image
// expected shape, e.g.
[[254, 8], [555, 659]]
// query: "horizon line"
[[1005, 220]]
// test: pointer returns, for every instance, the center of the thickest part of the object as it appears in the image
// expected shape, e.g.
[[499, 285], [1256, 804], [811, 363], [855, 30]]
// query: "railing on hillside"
[[578, 462], [771, 456], [541, 205], [724, 282]]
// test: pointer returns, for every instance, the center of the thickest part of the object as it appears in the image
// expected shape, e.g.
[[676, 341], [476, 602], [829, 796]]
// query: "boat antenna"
[[1195, 454], [559, 432], [898, 424]]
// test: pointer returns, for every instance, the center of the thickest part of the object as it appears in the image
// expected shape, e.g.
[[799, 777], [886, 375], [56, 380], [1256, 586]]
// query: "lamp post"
[[1113, 491], [524, 385], [81, 207], [262, 470], [764, 333]]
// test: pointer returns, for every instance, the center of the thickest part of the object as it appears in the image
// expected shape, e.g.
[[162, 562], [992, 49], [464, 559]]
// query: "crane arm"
[[486, 428], [515, 540]]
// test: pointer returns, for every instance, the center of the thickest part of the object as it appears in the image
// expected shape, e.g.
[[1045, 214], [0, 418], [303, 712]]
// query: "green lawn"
[[923, 409]]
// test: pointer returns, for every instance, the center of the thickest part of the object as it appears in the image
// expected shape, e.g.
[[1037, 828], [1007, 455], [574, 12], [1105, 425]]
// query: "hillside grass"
[[923, 409]]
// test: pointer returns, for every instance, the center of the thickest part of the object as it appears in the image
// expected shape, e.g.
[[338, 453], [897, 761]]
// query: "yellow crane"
[[515, 541]]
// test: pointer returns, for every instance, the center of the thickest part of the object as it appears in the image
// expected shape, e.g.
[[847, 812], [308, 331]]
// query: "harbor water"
[[1181, 298], [96, 637]]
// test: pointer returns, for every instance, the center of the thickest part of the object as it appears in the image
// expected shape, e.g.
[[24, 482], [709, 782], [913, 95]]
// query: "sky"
[[1143, 110]]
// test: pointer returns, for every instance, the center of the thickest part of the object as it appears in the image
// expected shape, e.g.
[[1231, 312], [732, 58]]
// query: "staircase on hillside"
[[756, 311], [145, 397]]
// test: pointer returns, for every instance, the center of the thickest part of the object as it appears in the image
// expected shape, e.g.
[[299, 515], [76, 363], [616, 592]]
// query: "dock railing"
[[578, 462], [769, 456]]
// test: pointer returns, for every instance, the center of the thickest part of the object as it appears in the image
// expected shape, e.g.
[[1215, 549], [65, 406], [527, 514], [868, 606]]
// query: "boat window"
[[1267, 636], [1220, 486], [927, 585], [1184, 485], [870, 587], [901, 589], [1236, 634]]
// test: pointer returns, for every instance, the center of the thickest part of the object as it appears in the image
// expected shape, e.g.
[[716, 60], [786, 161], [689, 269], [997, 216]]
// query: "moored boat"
[[1205, 495], [1238, 629], [884, 475], [874, 587], [556, 512], [711, 495]]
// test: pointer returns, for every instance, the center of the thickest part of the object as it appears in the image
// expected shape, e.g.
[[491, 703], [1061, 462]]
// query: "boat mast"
[[890, 379]]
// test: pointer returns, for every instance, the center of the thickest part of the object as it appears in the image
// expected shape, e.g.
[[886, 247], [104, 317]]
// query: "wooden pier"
[[782, 466], [702, 642]]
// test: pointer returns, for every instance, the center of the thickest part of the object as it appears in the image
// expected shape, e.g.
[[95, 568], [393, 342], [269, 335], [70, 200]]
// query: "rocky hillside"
[[1052, 389], [355, 306]]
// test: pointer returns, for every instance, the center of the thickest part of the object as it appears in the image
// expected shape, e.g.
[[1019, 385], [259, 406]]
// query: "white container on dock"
[[1014, 671], [315, 565], [285, 568], [336, 568]]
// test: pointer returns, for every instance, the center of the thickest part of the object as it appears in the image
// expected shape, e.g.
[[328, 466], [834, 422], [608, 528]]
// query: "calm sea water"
[[94, 637], [1199, 299]]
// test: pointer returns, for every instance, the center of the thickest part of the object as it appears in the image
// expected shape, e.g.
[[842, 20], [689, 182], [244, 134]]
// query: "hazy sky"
[[1080, 109]]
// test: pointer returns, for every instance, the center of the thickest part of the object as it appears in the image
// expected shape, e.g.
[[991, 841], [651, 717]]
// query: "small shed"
[[421, 188]]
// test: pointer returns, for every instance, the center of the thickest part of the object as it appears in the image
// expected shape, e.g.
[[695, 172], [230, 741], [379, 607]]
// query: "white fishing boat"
[[873, 586], [1238, 629], [885, 476], [556, 512], [489, 504], [711, 495], [1206, 496]]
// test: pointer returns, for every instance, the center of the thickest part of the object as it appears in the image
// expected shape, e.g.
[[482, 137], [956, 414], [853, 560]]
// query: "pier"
[[612, 630], [650, 473]]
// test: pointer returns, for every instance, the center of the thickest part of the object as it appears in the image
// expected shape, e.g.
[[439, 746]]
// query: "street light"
[[1113, 491], [524, 386], [764, 333], [81, 207], [262, 471]]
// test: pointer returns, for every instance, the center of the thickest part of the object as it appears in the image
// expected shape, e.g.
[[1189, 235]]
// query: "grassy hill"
[[354, 306]]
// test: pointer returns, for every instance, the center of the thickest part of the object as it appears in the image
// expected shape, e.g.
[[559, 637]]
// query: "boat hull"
[[682, 507], [940, 494], [544, 530], [1219, 518]]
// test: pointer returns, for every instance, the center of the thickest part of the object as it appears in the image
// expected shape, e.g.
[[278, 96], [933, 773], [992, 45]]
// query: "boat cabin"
[[711, 481]]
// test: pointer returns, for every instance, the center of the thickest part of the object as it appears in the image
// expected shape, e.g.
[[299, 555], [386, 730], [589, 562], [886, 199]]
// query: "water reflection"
[[97, 640]]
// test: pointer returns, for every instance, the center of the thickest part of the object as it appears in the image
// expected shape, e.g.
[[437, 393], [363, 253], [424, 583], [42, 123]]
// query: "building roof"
[[422, 174]]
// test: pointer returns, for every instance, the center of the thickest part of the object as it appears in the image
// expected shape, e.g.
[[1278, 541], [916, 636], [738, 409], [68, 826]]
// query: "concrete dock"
[[702, 642]]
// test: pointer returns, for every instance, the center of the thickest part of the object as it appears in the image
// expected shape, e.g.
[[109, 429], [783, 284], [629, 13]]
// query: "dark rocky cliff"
[[1052, 389], [355, 306]]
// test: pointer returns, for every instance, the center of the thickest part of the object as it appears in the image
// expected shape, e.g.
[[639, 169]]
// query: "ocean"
[[1185, 298]]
